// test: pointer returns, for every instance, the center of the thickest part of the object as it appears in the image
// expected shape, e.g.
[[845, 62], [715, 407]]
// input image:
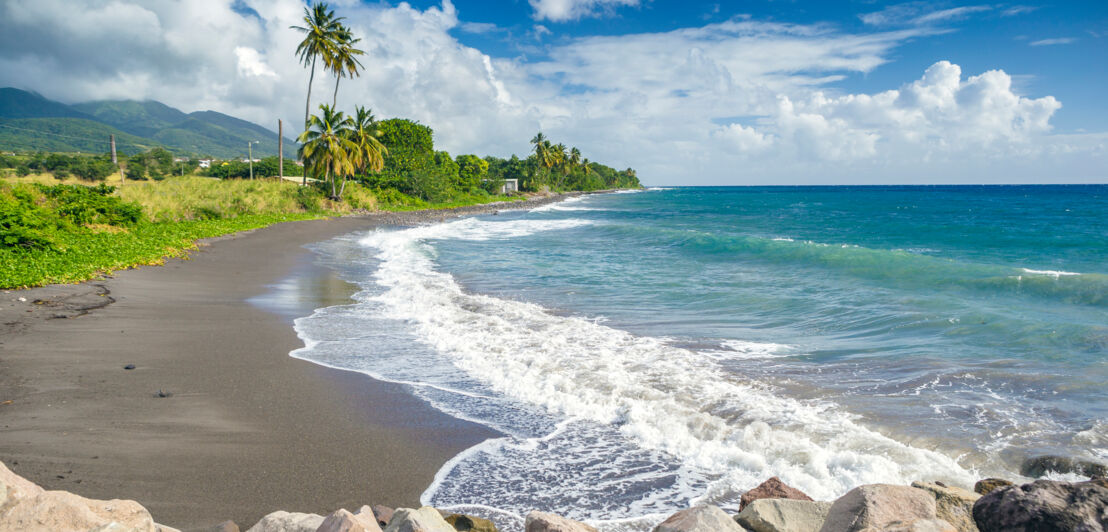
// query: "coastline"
[[246, 429]]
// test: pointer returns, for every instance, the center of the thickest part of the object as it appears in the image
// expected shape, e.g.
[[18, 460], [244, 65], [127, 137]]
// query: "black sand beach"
[[245, 429]]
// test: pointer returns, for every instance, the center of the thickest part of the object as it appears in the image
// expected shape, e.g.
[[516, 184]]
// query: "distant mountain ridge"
[[29, 121]]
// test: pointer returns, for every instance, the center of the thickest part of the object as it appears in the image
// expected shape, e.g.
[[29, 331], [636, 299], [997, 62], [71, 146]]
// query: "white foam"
[[659, 397], [746, 349], [1053, 273]]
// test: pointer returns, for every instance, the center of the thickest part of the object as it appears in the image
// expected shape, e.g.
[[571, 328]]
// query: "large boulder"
[[988, 485], [344, 521], [919, 525], [702, 518], [382, 513], [773, 488], [783, 515], [878, 506], [425, 519], [282, 521], [953, 505], [469, 523], [27, 507], [1044, 506], [1038, 466], [543, 522]]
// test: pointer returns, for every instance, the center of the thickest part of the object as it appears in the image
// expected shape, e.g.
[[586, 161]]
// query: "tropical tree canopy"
[[326, 146]]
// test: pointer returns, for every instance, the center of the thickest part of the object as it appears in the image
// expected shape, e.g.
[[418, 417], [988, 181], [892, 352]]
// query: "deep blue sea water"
[[644, 351]]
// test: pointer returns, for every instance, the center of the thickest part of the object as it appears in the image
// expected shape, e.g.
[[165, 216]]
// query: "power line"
[[88, 139]]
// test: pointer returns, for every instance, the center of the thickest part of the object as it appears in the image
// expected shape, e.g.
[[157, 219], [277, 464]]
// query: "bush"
[[83, 205], [23, 223]]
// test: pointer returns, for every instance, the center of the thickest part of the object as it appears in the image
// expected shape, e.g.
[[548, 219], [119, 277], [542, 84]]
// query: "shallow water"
[[644, 351]]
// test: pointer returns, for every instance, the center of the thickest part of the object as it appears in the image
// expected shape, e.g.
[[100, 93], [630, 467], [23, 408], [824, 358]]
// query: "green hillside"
[[60, 134], [15, 103], [137, 118], [30, 122]]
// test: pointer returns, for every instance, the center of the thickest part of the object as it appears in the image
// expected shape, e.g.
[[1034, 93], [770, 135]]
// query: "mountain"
[[137, 118], [30, 122]]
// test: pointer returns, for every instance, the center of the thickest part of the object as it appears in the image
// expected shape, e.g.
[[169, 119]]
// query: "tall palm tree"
[[561, 160], [323, 32], [370, 154], [344, 61], [326, 148]]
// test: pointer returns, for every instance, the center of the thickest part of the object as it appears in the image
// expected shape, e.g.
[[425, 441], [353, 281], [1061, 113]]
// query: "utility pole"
[[280, 150], [115, 160], [250, 156]]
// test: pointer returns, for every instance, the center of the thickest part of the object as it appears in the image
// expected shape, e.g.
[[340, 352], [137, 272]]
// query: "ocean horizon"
[[644, 351]]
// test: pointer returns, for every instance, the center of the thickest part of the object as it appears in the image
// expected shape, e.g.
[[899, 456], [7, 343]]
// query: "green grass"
[[89, 253], [54, 232]]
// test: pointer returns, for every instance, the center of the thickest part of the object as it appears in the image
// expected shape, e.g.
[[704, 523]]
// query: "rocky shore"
[[995, 505]]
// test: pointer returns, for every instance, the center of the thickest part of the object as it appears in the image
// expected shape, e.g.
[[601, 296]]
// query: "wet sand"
[[245, 429]]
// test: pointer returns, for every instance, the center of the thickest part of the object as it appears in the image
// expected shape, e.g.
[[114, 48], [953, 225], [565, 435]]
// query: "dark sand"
[[247, 430]]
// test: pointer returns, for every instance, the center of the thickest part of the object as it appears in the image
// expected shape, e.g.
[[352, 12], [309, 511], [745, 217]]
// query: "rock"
[[702, 518], [1044, 506], [163, 528], [953, 505], [783, 515], [878, 506], [773, 488], [919, 525], [226, 526], [344, 521], [464, 523], [61, 510], [425, 519], [988, 485], [282, 521], [543, 522], [1038, 466], [383, 514]]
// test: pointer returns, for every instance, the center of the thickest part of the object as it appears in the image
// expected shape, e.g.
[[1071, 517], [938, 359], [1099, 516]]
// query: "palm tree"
[[323, 33], [561, 160], [326, 148], [370, 154], [343, 61]]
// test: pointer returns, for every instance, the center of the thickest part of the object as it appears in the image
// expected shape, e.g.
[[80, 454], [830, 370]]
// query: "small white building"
[[206, 163], [510, 185]]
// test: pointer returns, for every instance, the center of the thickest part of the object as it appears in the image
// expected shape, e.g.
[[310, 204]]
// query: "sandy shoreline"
[[246, 429]]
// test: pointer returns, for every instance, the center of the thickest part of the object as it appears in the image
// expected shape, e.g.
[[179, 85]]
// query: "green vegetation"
[[60, 221], [29, 122]]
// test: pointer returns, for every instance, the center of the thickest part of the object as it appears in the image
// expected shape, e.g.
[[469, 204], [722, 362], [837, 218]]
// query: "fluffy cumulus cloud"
[[742, 101], [563, 10]]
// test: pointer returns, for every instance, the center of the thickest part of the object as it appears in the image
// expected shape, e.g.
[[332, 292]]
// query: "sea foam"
[[644, 426]]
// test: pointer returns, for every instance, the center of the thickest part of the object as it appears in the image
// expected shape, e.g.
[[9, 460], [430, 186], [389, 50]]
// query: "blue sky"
[[977, 36], [687, 93]]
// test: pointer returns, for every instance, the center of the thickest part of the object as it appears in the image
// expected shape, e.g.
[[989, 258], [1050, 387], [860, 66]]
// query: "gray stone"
[[773, 488], [703, 518], [344, 521], [1044, 506], [383, 514], [282, 521], [425, 519], [919, 525], [878, 506], [953, 505], [988, 485], [1038, 466], [543, 522], [783, 515], [469, 523]]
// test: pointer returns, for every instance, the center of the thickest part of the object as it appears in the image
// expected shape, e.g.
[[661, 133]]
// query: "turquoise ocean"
[[644, 351]]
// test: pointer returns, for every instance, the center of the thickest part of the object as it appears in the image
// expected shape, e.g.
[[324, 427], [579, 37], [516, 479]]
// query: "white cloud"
[[563, 10], [919, 13], [251, 63], [1018, 10], [1052, 42], [740, 101]]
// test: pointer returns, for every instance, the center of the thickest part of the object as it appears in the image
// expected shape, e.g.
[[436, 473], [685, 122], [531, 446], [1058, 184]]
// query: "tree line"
[[399, 154]]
